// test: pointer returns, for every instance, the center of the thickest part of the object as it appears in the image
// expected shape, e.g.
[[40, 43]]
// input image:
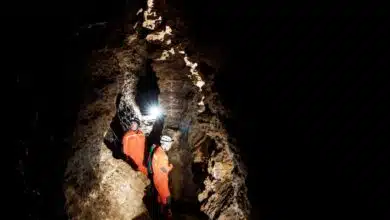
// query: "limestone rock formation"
[[194, 114], [98, 186], [208, 174]]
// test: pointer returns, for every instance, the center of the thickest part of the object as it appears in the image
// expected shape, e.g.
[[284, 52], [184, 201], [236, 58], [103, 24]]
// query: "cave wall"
[[98, 186], [206, 159], [208, 170], [44, 105]]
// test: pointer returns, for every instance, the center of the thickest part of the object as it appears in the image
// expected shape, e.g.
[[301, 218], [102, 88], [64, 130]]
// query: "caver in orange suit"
[[159, 168], [160, 174], [134, 147]]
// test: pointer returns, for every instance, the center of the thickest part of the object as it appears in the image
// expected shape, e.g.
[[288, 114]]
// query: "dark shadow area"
[[143, 216], [200, 173], [48, 75], [113, 139], [147, 89], [150, 201], [183, 210], [306, 109], [46, 106], [199, 169]]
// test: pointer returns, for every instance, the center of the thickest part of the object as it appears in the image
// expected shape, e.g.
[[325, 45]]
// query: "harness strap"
[[151, 152]]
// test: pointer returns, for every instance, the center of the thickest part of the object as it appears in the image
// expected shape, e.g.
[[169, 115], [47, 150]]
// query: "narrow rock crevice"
[[147, 89], [153, 68]]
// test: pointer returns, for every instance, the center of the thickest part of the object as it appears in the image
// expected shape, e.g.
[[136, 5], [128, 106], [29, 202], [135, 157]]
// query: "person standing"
[[159, 169], [134, 146]]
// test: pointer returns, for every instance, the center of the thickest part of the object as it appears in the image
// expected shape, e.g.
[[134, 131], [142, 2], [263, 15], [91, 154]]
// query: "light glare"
[[155, 112]]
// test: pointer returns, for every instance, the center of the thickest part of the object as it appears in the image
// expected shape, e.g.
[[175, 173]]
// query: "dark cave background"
[[308, 96]]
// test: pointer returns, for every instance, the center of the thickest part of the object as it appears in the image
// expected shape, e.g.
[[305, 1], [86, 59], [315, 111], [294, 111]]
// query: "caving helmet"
[[166, 142], [135, 119]]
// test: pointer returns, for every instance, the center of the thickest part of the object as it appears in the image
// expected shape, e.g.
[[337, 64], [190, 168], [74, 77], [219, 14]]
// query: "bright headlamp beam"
[[155, 111]]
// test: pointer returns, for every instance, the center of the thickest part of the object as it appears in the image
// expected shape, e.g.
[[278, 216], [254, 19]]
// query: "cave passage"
[[147, 89], [147, 98]]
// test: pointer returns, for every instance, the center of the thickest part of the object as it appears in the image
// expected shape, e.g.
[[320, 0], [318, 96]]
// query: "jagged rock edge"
[[164, 37]]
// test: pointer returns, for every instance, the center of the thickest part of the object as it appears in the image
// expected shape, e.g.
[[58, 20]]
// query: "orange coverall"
[[161, 168], [134, 147]]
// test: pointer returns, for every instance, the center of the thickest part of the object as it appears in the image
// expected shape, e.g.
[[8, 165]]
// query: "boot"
[[166, 212]]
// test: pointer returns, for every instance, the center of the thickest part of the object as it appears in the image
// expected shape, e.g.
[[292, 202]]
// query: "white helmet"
[[166, 138], [166, 142]]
